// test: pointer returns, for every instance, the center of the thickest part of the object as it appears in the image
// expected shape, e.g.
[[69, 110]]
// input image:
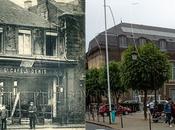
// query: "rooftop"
[[10, 13], [133, 30]]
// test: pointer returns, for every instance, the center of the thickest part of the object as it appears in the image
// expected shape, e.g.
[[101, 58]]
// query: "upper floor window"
[[123, 41], [51, 44], [24, 42], [162, 44], [1, 39], [173, 71], [142, 41]]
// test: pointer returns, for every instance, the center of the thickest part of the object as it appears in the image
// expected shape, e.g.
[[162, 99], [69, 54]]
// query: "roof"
[[133, 30], [66, 7], [10, 13]]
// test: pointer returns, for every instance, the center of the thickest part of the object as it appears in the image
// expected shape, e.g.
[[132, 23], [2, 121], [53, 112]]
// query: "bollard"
[[121, 120], [98, 116], [93, 116], [149, 121], [103, 118]]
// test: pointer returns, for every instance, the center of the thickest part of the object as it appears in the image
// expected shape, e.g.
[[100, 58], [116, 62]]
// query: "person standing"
[[32, 115], [151, 107], [173, 113], [3, 118], [167, 110]]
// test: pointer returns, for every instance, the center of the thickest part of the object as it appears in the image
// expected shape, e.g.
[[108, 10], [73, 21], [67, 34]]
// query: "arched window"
[[162, 44], [142, 41], [123, 41]]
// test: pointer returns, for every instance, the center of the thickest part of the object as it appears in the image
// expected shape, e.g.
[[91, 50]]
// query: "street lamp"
[[134, 55], [107, 63]]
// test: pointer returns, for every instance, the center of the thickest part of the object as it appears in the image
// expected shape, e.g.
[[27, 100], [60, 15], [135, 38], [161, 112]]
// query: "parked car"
[[104, 109], [130, 101], [158, 101], [123, 110]]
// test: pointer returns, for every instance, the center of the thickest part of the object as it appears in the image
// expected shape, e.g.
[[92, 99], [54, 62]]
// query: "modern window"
[[1, 40], [24, 42], [142, 41], [162, 44], [123, 41], [51, 44], [173, 71]]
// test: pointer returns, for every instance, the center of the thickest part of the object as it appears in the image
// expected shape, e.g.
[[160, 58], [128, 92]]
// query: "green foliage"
[[93, 81], [114, 77], [149, 71]]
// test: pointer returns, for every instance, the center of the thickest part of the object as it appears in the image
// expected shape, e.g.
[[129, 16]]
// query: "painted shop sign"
[[23, 70]]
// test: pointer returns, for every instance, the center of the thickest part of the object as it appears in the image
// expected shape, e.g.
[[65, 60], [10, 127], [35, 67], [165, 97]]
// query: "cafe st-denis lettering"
[[22, 70]]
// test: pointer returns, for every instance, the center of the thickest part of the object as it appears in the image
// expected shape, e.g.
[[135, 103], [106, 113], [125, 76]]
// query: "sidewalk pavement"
[[49, 127], [134, 121]]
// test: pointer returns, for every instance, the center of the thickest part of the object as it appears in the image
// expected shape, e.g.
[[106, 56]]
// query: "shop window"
[[123, 41], [51, 40], [24, 42], [162, 44]]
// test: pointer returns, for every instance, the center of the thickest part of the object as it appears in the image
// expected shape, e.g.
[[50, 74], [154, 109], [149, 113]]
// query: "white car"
[[158, 101]]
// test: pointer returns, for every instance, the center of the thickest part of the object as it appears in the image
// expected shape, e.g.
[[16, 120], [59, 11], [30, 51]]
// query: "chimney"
[[28, 4], [40, 2]]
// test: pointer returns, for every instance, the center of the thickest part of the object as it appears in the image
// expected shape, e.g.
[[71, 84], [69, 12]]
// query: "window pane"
[[27, 44], [173, 71], [51, 45], [122, 41], [24, 44], [20, 43]]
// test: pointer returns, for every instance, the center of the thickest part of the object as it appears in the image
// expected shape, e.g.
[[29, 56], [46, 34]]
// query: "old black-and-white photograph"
[[42, 49]]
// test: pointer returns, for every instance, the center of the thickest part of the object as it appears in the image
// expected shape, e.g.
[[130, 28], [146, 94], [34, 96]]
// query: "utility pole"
[[107, 63]]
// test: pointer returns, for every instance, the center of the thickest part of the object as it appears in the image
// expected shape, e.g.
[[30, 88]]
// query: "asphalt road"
[[96, 127]]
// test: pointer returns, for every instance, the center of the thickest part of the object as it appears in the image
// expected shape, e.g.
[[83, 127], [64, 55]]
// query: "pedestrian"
[[3, 118], [173, 112], [167, 110], [32, 115], [151, 107]]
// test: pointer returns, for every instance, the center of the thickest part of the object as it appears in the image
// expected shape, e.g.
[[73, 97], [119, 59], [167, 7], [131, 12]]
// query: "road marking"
[[100, 129]]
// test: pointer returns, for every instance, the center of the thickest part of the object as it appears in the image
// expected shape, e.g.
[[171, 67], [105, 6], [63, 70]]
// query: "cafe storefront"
[[44, 82]]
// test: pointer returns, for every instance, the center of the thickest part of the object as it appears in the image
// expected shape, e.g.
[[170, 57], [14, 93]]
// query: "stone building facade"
[[37, 65], [125, 34]]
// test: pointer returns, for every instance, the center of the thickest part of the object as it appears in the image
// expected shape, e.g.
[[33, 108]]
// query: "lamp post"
[[107, 63]]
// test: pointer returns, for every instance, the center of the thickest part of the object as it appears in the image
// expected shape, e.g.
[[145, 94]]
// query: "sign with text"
[[22, 70]]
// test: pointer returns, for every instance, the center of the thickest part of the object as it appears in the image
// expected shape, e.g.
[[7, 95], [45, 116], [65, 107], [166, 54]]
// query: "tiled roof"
[[10, 13], [133, 30]]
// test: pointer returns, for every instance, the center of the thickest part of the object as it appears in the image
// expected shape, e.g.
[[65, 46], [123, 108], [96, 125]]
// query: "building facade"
[[37, 64], [125, 34]]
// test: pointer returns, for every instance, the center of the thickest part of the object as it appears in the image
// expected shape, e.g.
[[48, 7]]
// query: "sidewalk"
[[70, 126], [133, 121]]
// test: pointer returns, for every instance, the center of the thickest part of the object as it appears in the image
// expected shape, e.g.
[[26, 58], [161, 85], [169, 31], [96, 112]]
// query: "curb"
[[100, 124]]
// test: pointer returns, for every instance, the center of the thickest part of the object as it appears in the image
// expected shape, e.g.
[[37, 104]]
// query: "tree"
[[115, 81], [148, 72], [93, 85]]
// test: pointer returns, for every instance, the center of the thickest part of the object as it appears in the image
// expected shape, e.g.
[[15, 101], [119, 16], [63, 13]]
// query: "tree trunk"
[[145, 103]]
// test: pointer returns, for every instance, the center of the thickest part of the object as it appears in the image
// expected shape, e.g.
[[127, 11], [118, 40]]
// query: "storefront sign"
[[23, 70]]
